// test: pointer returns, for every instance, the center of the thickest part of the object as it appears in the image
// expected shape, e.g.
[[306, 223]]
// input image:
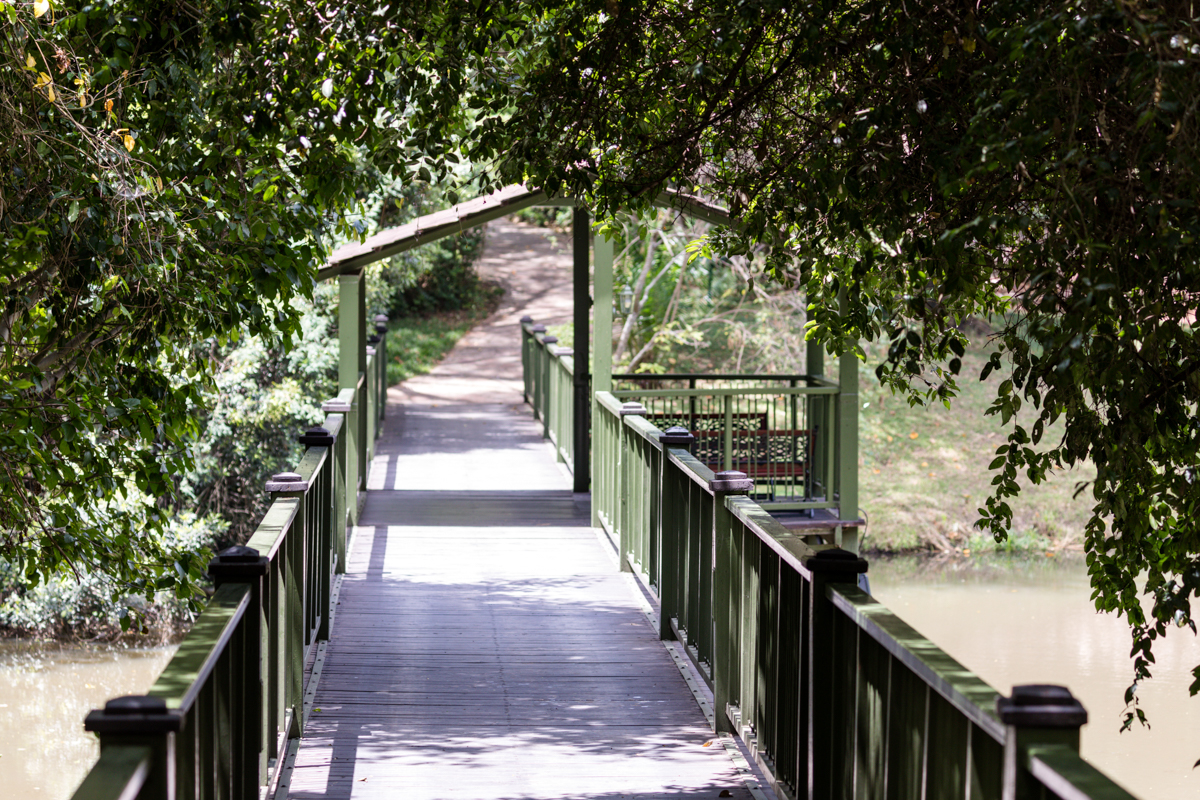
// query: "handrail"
[[1062, 771], [728, 391], [936, 668], [217, 720], [120, 774], [828, 688], [185, 675]]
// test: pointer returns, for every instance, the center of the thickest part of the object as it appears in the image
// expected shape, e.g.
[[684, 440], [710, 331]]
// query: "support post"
[[1037, 715], [352, 361], [137, 721], [847, 418], [581, 241], [365, 445], [826, 566], [602, 313], [722, 485], [240, 564], [602, 380], [381, 330]]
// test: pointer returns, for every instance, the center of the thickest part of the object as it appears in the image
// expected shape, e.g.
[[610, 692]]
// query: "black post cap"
[[237, 564], [539, 328], [730, 481], [676, 436], [374, 338], [133, 715], [381, 322], [1041, 705], [525, 320], [835, 560], [317, 437], [549, 339]]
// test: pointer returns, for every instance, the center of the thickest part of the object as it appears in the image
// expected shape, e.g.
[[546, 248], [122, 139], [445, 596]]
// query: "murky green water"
[[44, 695], [1015, 621]]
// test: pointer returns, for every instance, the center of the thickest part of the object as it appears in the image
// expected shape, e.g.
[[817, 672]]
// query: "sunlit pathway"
[[485, 646]]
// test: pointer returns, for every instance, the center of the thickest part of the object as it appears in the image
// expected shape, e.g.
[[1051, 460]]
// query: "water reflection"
[[45, 692], [1016, 621]]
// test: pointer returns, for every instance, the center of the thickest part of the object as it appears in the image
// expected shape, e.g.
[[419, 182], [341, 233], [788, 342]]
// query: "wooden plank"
[[486, 647]]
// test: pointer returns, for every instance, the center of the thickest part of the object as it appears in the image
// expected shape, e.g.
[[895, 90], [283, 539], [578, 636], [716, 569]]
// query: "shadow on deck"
[[485, 644]]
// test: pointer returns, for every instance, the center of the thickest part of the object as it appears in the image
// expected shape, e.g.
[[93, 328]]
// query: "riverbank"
[[923, 472]]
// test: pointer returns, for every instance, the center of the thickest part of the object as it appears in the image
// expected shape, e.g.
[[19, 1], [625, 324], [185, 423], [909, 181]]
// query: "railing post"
[[336, 501], [298, 593], [245, 565], [526, 375], [381, 330], [581, 380], [348, 449], [141, 720], [547, 385], [670, 511], [723, 484], [847, 416], [827, 566], [535, 369], [1036, 714], [624, 458]]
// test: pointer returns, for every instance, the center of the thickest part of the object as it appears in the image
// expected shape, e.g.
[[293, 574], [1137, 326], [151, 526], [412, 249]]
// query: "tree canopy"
[[170, 176], [173, 167], [911, 165]]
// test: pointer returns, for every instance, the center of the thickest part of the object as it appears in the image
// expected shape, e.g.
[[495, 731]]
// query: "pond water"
[[45, 692], [1009, 620], [1030, 620]]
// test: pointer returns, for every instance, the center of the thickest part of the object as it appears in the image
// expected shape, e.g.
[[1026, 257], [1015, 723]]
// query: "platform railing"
[[835, 695], [785, 432], [781, 430], [216, 723], [549, 373]]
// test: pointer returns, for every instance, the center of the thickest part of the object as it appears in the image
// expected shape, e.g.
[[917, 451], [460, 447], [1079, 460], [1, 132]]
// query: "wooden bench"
[[757, 451]]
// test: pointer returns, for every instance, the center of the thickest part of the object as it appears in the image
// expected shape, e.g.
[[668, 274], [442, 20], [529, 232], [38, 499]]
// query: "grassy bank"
[[416, 344], [924, 472]]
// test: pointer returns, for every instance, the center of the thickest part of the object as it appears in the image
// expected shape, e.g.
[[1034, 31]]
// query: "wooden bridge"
[[432, 608]]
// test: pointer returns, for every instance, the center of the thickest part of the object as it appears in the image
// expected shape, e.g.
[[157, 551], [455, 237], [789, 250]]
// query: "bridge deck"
[[485, 645]]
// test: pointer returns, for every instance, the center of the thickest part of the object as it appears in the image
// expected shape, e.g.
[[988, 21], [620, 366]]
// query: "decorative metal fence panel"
[[781, 430]]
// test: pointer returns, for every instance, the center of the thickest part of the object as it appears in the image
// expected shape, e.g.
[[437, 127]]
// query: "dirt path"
[[534, 267]]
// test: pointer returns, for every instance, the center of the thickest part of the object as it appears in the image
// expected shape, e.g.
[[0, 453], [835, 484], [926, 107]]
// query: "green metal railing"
[[835, 695], [216, 723], [549, 376], [781, 430]]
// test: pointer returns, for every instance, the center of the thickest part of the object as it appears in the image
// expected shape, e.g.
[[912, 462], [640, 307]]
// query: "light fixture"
[[625, 301]]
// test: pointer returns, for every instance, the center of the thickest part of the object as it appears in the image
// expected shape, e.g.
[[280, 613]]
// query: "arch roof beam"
[[350, 259]]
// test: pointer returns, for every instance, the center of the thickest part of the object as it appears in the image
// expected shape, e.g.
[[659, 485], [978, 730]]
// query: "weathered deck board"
[[485, 646]]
